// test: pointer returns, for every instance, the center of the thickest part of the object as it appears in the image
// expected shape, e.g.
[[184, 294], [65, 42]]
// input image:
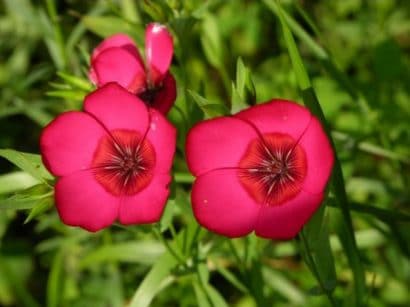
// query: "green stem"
[[168, 246], [183, 177], [315, 270]]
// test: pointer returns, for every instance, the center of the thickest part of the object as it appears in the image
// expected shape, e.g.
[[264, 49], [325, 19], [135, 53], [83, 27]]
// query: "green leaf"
[[231, 278], [105, 26], [210, 109], [55, 280], [285, 287], [143, 252], [27, 199], [323, 56], [244, 83], [52, 38], [42, 206], [237, 102], [15, 181], [168, 215], [317, 240], [158, 277], [75, 81], [30, 163], [216, 298], [298, 67], [345, 229], [211, 41], [75, 95], [201, 298], [159, 10]]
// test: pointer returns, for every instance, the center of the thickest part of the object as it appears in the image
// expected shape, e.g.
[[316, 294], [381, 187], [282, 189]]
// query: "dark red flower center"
[[123, 162], [148, 95], [273, 168]]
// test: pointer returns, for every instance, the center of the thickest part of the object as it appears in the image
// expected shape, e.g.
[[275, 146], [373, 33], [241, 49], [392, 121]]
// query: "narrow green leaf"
[[324, 57], [317, 237], [201, 298], [298, 67], [216, 298], [237, 102], [27, 199], [105, 26], [345, 230], [285, 287], [42, 206], [231, 278], [15, 181], [52, 38], [55, 280], [211, 41], [380, 213], [75, 81], [154, 281], [143, 252], [129, 10], [210, 109], [28, 162], [241, 75], [75, 95], [243, 93]]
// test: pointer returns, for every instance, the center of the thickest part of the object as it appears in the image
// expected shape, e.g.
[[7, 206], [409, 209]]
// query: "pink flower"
[[112, 160], [264, 169], [116, 59]]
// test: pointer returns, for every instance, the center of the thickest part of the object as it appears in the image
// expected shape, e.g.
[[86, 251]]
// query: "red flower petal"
[[68, 143], [319, 155], [116, 108], [162, 135], [147, 205], [159, 49], [278, 116], [116, 40], [283, 222], [82, 201], [166, 96], [222, 205], [217, 143], [121, 66]]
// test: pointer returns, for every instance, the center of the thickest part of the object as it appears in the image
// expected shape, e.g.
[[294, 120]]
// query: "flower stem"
[[168, 246], [183, 177]]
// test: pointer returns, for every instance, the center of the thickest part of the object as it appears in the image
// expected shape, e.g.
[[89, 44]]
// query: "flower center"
[[148, 96], [273, 168], [123, 162]]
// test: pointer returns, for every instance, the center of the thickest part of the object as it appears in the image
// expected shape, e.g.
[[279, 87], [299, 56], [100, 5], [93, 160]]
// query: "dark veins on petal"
[[123, 162], [273, 168]]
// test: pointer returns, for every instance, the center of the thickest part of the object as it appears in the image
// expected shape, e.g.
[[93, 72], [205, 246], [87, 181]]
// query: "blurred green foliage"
[[228, 54]]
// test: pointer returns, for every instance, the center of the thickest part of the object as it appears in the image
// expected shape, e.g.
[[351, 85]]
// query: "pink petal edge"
[[67, 144], [118, 65], [159, 49], [283, 222], [82, 201], [217, 143], [319, 155], [116, 108], [222, 205], [117, 40], [278, 116], [162, 135], [146, 206]]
